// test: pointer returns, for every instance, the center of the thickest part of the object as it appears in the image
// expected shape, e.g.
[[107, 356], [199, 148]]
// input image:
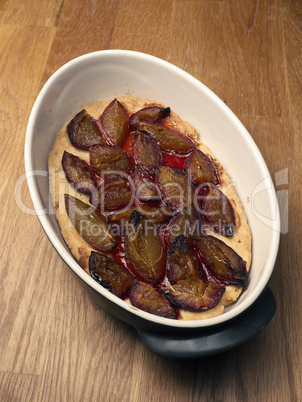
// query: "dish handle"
[[216, 340]]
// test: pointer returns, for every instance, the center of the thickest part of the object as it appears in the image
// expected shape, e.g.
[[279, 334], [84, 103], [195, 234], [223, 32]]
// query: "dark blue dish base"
[[215, 340]]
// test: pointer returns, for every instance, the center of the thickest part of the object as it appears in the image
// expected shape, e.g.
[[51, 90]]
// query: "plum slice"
[[168, 139], [77, 172], [83, 132], [90, 224], [143, 187], [155, 214], [153, 114], [110, 274], [144, 250], [220, 262], [147, 152], [175, 187], [145, 297], [112, 195], [114, 123], [216, 210], [182, 263], [201, 168], [195, 295], [186, 222], [108, 161]]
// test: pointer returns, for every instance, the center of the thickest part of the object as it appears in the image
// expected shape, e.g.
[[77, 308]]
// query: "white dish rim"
[[67, 257]]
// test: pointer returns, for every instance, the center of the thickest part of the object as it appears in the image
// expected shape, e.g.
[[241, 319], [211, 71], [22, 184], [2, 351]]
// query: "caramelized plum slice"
[[168, 139], [83, 132], [175, 187], [144, 250], [90, 224], [195, 295], [147, 152], [156, 215], [114, 123], [144, 296], [220, 262], [153, 114], [77, 172], [108, 161], [186, 222], [201, 168], [110, 274], [182, 263], [143, 187], [112, 195], [216, 210]]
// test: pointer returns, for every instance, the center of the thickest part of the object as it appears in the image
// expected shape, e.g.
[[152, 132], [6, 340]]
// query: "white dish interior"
[[107, 74]]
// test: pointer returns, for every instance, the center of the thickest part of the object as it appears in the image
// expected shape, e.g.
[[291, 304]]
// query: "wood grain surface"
[[55, 344]]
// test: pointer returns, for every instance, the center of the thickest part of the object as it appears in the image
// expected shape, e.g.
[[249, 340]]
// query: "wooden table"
[[55, 344]]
